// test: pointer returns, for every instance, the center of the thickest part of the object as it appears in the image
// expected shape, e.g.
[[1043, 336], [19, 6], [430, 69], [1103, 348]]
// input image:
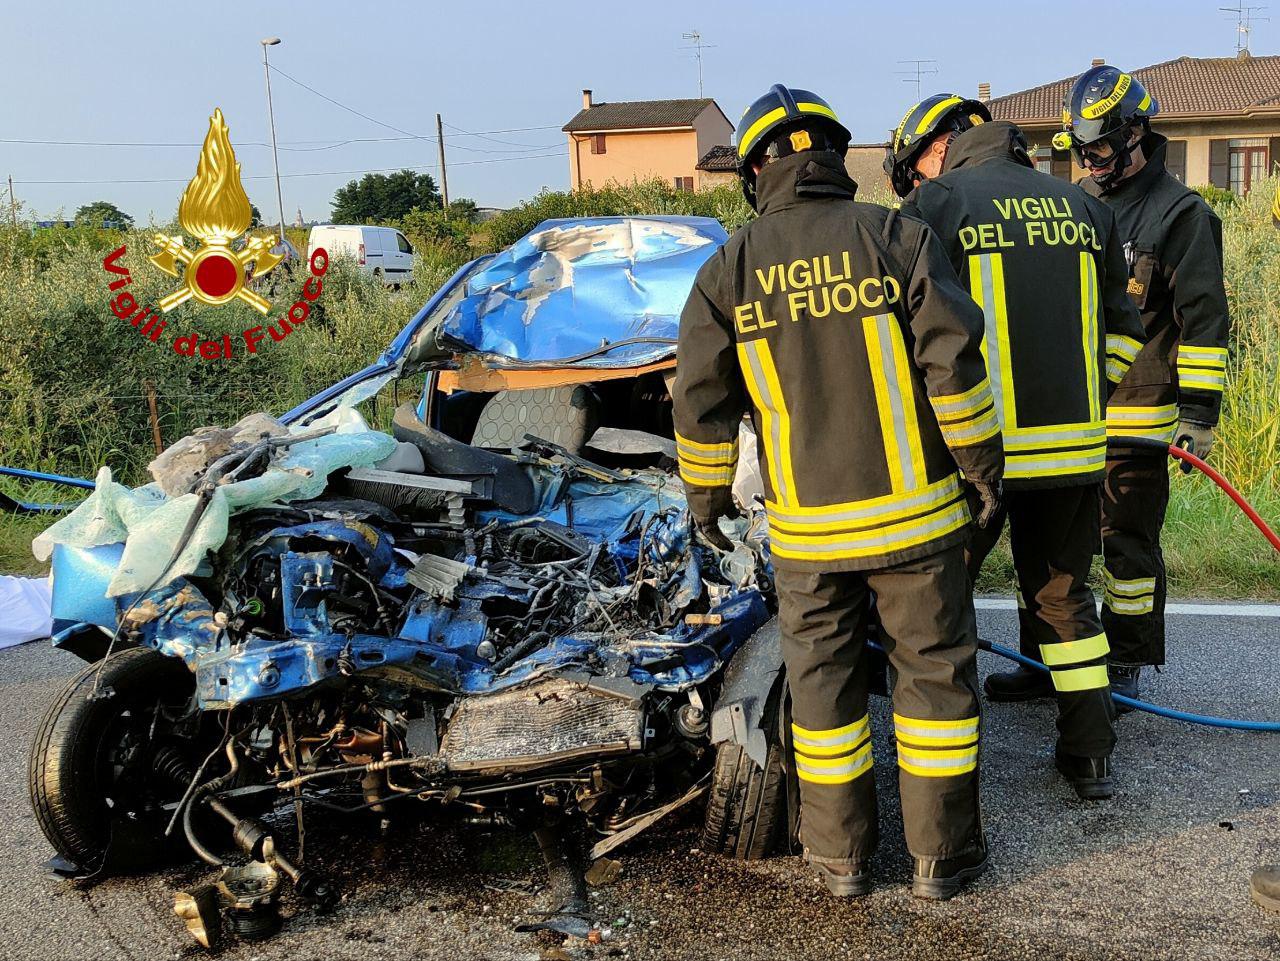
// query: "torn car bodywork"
[[512, 631]]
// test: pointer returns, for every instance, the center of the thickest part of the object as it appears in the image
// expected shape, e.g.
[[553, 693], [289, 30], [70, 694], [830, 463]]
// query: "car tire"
[[747, 806], [71, 793]]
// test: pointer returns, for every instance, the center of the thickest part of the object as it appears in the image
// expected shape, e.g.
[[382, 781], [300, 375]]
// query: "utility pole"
[[697, 46], [1245, 18], [919, 69], [13, 204], [444, 177], [271, 115]]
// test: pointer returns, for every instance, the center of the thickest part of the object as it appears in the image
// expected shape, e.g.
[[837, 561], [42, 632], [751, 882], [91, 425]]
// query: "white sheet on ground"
[[24, 610]]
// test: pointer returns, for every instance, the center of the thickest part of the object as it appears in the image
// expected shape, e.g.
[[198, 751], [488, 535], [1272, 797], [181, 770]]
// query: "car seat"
[[567, 416]]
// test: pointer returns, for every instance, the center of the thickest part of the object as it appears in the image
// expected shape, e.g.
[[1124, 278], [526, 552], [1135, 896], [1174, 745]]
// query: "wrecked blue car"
[[495, 606]]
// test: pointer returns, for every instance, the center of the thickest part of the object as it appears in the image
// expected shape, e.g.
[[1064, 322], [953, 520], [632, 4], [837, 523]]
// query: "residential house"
[[640, 139], [1221, 115]]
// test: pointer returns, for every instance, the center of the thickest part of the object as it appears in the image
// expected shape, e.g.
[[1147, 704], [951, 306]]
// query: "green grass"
[[73, 379]]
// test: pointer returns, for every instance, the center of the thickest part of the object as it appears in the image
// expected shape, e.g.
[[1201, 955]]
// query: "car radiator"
[[541, 725]]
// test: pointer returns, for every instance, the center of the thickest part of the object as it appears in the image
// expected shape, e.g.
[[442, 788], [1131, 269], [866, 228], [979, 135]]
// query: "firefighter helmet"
[[939, 114], [784, 121], [1102, 107]]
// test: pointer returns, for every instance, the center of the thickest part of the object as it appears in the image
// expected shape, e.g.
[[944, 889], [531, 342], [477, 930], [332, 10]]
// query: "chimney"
[[984, 92], [1097, 62], [586, 99]]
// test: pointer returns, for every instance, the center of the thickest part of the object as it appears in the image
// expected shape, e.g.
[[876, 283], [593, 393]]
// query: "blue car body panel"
[[570, 287]]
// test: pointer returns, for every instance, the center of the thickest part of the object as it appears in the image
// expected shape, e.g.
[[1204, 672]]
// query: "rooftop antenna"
[[697, 45], [1246, 17], [919, 69]]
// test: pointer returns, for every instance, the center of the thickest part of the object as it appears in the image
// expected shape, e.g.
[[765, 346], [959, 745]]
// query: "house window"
[[1247, 162], [685, 184], [1175, 159], [597, 143], [1044, 160]]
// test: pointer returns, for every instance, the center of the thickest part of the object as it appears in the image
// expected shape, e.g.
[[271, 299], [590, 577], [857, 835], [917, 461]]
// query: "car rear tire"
[[91, 762], [747, 807]]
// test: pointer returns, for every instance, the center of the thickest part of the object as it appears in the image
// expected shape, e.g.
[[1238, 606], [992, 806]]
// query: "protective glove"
[[990, 495], [706, 522], [1195, 437]]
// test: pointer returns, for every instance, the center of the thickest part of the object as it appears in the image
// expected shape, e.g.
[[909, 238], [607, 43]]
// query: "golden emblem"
[[215, 208]]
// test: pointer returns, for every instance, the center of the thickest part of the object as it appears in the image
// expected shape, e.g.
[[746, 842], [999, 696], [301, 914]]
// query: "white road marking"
[[989, 603]]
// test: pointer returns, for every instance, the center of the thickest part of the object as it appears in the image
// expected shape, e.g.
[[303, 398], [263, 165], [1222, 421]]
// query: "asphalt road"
[[1160, 872]]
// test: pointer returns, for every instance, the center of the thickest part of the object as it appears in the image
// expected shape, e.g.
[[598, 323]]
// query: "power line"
[[509, 143], [324, 144], [318, 173]]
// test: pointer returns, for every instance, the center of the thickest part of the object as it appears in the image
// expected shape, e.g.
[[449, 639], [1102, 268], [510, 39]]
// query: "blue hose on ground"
[[1207, 720]]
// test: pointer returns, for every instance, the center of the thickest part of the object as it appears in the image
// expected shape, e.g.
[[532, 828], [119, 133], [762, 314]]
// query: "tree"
[[384, 197], [100, 212]]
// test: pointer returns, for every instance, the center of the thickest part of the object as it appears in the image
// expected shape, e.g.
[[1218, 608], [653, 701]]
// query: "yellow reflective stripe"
[[1123, 347], [761, 378], [839, 770], [948, 763], [895, 402], [926, 733], [708, 453], [884, 540], [1054, 436], [748, 138], [973, 431], [1201, 380], [1128, 588], [1089, 331], [817, 108], [1080, 679], [778, 113], [1074, 652], [1207, 353], [933, 114], [1155, 423], [705, 476], [836, 740], [1102, 106], [986, 285], [1146, 102], [1055, 463], [1130, 605], [1116, 370], [970, 402], [875, 510]]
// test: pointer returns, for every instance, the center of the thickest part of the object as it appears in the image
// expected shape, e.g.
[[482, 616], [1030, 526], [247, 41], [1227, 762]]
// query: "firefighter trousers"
[[927, 627], [1054, 534], [1134, 500]]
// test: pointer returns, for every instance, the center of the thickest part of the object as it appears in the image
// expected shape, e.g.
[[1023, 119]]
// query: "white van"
[[381, 251]]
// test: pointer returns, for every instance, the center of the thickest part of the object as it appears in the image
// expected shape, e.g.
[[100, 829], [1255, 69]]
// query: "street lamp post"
[[271, 115]]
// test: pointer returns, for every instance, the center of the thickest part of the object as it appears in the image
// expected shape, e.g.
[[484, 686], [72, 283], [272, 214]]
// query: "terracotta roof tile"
[[1188, 85], [720, 160], [638, 114]]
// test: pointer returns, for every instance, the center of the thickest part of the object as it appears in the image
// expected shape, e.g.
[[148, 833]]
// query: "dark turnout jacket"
[[1044, 262], [842, 329], [1173, 241]]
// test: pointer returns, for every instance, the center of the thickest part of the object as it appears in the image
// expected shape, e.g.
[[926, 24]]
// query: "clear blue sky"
[[153, 72]]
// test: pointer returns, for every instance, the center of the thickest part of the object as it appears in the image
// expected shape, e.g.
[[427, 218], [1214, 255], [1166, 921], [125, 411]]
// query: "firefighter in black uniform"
[[1173, 391], [1043, 261], [842, 330]]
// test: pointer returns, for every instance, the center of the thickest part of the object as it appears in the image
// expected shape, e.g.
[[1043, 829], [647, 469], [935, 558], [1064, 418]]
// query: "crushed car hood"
[[597, 292]]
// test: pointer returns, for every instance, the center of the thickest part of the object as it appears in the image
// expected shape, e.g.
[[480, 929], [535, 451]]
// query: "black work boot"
[[1265, 887], [1090, 776], [845, 880], [1124, 681], [941, 880], [1020, 684]]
